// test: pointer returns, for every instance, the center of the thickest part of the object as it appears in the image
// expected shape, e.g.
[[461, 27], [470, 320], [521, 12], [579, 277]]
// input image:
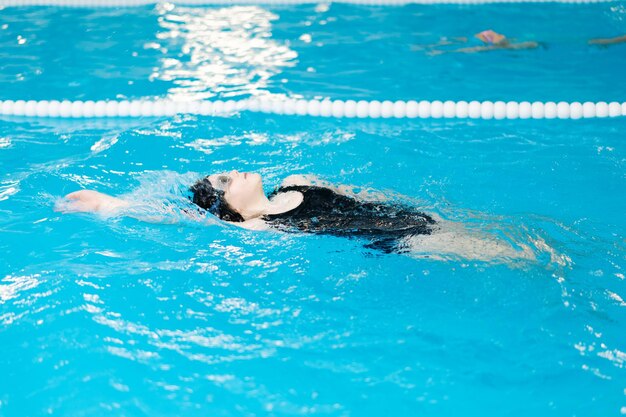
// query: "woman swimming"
[[491, 41], [307, 204]]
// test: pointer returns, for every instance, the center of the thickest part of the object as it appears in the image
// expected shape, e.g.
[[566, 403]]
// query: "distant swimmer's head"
[[491, 37], [230, 196]]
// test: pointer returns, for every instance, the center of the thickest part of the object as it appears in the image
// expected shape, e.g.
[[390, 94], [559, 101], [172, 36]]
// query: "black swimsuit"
[[324, 211]]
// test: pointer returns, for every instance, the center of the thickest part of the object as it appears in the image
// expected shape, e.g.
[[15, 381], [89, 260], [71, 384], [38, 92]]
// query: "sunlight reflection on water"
[[227, 50]]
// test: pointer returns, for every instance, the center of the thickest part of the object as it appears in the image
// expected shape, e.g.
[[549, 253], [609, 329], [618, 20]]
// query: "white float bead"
[[65, 109], [474, 110], [549, 110], [194, 107], [89, 108], [53, 108], [412, 109], [123, 108], [386, 109], [265, 105], [218, 107], [374, 109], [602, 109], [575, 110], [337, 108], [158, 109], [206, 108], [537, 110], [254, 105], [326, 108], [436, 109], [313, 108], [301, 107], [229, 107], [146, 108], [499, 110], [449, 109], [169, 108], [18, 108], [563, 110], [525, 110], [42, 108], [289, 107], [111, 109], [185, 107], [30, 108], [7, 107], [242, 105], [100, 108], [349, 109], [180, 107], [512, 110], [461, 109], [278, 107], [615, 109], [77, 109], [486, 110], [423, 109], [134, 109], [399, 109], [589, 109]]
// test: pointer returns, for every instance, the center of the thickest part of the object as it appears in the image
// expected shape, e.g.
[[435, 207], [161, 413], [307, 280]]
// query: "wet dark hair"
[[212, 200]]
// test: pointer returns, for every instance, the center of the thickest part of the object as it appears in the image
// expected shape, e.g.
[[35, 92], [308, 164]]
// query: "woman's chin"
[[255, 178]]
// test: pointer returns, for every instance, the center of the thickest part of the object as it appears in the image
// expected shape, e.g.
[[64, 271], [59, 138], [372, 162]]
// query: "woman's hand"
[[87, 201]]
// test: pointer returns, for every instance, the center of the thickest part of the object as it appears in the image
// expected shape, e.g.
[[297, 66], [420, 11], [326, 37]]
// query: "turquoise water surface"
[[125, 318]]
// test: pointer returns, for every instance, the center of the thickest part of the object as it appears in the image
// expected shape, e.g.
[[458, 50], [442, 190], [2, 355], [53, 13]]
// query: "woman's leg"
[[459, 242]]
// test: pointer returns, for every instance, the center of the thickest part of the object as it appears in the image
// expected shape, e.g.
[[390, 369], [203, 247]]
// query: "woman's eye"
[[223, 180]]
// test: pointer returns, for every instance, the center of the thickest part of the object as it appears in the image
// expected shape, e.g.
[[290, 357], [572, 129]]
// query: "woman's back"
[[325, 211]]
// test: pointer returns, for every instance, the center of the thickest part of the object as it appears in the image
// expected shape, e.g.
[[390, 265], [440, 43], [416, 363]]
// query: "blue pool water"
[[119, 317]]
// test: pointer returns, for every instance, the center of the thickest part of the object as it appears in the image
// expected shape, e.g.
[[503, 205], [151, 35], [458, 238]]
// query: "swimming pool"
[[101, 317]]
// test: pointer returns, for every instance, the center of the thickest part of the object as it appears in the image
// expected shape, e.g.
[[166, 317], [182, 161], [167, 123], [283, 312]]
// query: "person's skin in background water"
[[495, 41], [492, 41], [242, 202], [607, 41]]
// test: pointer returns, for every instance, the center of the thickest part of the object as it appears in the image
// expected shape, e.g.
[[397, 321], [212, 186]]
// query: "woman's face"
[[242, 190]]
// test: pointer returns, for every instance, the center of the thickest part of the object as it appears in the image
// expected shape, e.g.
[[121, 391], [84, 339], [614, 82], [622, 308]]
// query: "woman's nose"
[[234, 172]]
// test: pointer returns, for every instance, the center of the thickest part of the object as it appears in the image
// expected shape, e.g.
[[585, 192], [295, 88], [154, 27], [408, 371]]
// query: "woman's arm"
[[252, 224], [607, 41], [496, 47], [351, 191], [88, 201]]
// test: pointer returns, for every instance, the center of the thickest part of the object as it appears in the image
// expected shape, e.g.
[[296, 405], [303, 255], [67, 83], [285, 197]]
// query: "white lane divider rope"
[[325, 108], [134, 3]]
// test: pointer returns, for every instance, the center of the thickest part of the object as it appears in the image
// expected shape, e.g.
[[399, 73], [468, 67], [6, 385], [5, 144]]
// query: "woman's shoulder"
[[310, 182], [305, 192], [299, 180]]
